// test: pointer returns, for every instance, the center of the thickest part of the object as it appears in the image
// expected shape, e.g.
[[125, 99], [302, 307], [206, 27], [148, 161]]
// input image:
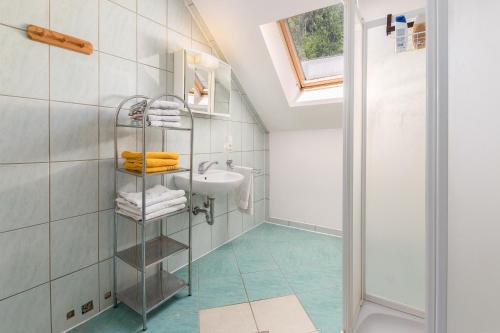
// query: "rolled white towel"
[[125, 205], [158, 213], [169, 119], [243, 195], [166, 105], [154, 195], [158, 123], [161, 112]]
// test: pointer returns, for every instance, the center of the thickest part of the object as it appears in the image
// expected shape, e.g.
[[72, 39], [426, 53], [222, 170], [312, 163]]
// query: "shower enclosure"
[[387, 151], [394, 169]]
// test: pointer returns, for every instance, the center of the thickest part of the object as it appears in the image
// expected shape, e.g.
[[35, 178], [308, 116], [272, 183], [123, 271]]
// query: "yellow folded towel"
[[135, 155], [152, 169], [153, 162]]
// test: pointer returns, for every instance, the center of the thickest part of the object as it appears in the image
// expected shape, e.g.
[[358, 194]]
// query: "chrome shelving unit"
[[152, 290]]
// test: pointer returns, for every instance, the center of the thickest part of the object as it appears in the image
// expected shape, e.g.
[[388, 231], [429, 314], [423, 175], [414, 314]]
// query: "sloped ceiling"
[[235, 25]]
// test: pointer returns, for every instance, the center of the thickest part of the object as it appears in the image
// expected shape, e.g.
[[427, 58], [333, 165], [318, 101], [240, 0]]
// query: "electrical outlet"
[[70, 314], [89, 306], [107, 295]]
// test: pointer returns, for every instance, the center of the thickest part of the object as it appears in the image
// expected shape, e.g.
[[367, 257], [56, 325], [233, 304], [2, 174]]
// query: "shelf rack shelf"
[[149, 221], [151, 291], [159, 288], [138, 124], [139, 174], [157, 249]]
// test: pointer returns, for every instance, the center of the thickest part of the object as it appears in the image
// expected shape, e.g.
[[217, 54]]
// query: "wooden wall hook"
[[58, 39]]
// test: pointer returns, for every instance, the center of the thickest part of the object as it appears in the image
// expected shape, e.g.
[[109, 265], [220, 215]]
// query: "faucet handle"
[[201, 166], [229, 164]]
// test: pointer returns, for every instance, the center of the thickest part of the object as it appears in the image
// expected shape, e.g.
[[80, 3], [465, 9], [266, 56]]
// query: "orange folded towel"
[[135, 155], [151, 169], [153, 162]]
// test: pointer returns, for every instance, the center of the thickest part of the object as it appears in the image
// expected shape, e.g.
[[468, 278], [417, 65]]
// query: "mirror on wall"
[[204, 81], [197, 89], [222, 89]]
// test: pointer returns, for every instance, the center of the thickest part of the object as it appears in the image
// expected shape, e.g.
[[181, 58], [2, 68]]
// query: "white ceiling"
[[235, 25]]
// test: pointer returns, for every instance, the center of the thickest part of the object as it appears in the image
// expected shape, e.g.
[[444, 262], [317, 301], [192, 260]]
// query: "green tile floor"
[[268, 261]]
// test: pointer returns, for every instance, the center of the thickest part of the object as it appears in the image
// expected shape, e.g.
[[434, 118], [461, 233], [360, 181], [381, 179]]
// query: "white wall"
[[395, 172], [306, 181], [474, 168]]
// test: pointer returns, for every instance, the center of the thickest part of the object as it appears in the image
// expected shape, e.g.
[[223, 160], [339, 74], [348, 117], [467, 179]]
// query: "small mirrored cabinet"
[[203, 81]]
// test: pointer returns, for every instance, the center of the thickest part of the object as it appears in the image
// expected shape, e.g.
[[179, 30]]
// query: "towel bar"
[[229, 164]]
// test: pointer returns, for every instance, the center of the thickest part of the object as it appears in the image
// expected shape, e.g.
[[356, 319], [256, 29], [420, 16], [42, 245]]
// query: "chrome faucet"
[[202, 168]]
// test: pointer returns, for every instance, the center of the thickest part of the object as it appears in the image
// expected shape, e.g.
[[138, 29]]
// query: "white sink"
[[211, 182]]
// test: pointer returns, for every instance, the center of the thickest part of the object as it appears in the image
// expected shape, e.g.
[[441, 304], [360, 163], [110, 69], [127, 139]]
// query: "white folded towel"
[[161, 112], [166, 105], [149, 216], [165, 118], [244, 193], [125, 205], [158, 123], [154, 195]]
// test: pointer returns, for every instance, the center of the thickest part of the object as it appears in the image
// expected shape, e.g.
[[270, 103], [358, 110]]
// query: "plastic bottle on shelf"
[[401, 33]]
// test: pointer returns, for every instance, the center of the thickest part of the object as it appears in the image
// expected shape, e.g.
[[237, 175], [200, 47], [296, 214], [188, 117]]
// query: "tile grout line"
[[50, 180], [99, 51], [56, 161], [98, 157], [165, 178], [294, 292], [25, 227], [288, 283], [13, 27], [138, 134], [76, 271], [163, 25], [244, 287], [99, 105], [24, 291], [130, 10]]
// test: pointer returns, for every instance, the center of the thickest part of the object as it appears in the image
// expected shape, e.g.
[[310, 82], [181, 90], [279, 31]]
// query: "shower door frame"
[[437, 166], [436, 195]]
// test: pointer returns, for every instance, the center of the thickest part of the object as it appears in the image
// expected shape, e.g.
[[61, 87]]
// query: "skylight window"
[[315, 43]]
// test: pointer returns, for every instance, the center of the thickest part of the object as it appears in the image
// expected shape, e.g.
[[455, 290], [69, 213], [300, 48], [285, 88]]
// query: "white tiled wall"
[[57, 177]]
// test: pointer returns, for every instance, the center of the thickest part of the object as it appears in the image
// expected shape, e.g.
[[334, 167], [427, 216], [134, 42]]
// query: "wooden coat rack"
[[58, 39]]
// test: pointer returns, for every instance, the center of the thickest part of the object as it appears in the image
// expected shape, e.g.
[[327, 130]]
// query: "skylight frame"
[[324, 82]]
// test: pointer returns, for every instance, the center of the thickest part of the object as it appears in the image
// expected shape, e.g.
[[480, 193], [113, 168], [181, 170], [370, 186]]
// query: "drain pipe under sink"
[[208, 210]]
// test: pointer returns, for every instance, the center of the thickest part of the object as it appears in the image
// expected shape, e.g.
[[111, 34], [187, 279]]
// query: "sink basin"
[[211, 182]]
